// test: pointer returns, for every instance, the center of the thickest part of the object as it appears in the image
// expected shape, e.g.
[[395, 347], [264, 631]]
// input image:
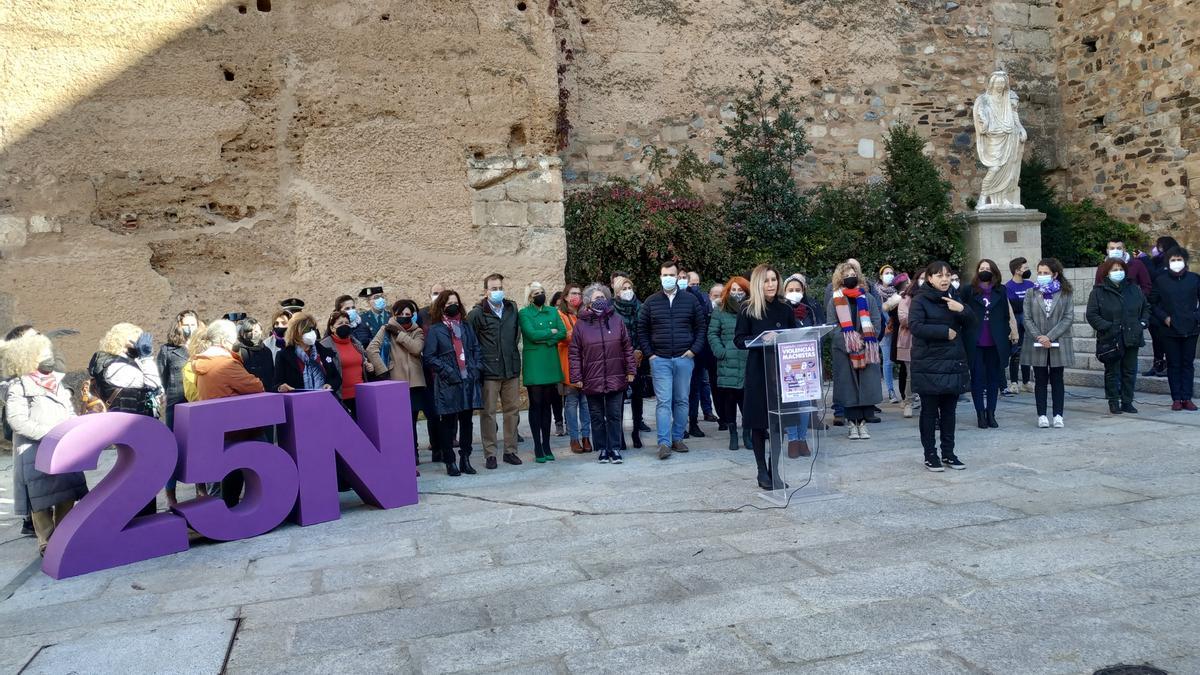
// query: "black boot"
[[1114, 408], [451, 469], [982, 419], [637, 437], [991, 419], [437, 456], [747, 437], [733, 436], [694, 429], [764, 474], [464, 462]]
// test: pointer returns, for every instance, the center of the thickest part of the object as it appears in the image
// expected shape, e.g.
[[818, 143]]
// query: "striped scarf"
[[861, 345]]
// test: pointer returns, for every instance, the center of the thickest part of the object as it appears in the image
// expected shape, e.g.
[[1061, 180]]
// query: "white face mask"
[[888, 279], [627, 295], [954, 283], [795, 297], [309, 338], [1116, 253], [1177, 266]]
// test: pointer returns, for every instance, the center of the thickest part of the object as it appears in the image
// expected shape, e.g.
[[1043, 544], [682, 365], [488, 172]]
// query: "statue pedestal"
[[1001, 235]]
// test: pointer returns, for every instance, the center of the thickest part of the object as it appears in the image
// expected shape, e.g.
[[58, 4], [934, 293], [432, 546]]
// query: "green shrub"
[[925, 228], [1090, 229], [621, 226]]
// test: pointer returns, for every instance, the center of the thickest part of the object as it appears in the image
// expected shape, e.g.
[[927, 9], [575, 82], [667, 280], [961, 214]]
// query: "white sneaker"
[[854, 433], [1058, 422], [862, 431], [916, 401], [1043, 422], [908, 410], [1028, 387], [892, 398]]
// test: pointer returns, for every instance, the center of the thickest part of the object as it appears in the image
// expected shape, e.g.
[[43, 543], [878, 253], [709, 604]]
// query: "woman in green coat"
[[541, 331], [731, 361]]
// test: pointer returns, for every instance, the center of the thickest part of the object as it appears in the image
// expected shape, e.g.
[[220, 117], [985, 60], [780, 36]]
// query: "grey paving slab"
[[311, 607], [751, 570], [1171, 577], [493, 647], [926, 659], [1064, 525], [974, 491], [1059, 499], [180, 648], [388, 626], [802, 536], [719, 651], [375, 660], [912, 580], [1042, 598], [491, 581], [312, 559], [248, 590], [941, 517], [606, 561], [411, 570], [884, 550], [553, 598], [1038, 559]]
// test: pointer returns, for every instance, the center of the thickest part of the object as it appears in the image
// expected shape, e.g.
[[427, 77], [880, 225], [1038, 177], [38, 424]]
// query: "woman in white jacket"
[[37, 402]]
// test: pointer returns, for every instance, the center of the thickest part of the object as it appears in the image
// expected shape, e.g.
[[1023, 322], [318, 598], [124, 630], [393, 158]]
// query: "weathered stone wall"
[[1131, 109], [211, 154], [663, 73]]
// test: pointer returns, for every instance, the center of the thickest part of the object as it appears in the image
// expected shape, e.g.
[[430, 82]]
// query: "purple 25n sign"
[[298, 477]]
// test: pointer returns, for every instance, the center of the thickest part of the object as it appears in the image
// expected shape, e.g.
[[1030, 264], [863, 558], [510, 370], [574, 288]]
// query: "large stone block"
[[538, 185], [507, 214], [1002, 235], [546, 214]]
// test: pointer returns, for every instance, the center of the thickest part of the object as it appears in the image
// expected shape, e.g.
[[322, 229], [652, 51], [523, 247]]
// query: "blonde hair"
[[116, 340], [22, 355], [532, 290], [298, 325], [842, 272], [756, 305]]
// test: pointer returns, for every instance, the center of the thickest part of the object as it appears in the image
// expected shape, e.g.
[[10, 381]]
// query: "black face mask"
[[1026, 274], [246, 340], [985, 276], [452, 310], [850, 282], [539, 299], [404, 320], [279, 331], [342, 331]]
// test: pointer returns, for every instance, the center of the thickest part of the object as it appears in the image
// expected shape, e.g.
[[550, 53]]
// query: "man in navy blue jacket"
[[671, 332]]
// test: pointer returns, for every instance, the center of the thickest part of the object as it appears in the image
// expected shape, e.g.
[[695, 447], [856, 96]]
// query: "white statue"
[[1000, 141]]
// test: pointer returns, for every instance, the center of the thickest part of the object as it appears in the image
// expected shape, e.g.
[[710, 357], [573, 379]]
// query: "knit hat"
[[796, 277], [886, 267]]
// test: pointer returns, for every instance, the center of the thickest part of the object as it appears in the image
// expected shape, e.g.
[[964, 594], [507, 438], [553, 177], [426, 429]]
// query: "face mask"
[[1176, 266], [247, 340], [888, 279], [404, 320], [985, 276], [575, 301], [187, 331], [279, 331], [539, 299], [379, 304], [850, 282], [627, 295], [920, 283], [955, 284], [669, 283], [1044, 279], [452, 310], [342, 331], [1154, 252], [600, 305], [1026, 274], [309, 338], [496, 297], [1117, 254], [737, 295], [353, 314], [46, 367], [1117, 276], [794, 297], [433, 297]]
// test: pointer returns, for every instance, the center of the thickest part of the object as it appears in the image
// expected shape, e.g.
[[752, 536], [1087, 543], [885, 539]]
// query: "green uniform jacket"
[[731, 361], [541, 346]]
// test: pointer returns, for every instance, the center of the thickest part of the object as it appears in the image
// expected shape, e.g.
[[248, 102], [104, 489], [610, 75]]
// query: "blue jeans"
[[886, 359], [700, 395], [672, 382], [575, 409], [800, 431]]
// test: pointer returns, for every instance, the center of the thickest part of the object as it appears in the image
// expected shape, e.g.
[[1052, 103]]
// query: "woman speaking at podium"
[[765, 310]]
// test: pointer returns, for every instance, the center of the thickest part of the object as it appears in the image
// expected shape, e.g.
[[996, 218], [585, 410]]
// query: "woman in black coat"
[[988, 341], [303, 363], [1119, 312], [764, 310], [453, 356], [940, 375], [1175, 302]]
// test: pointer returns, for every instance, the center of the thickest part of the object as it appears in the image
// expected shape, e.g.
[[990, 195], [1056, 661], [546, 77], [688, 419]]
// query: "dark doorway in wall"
[[263, 5]]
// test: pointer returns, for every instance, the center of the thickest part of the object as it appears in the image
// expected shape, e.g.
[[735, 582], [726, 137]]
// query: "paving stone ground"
[[1056, 551]]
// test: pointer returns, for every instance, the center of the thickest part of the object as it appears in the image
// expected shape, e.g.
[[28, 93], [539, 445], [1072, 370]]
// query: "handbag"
[[1110, 349]]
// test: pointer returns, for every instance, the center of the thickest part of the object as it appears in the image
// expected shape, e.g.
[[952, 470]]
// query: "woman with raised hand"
[[988, 340], [407, 341], [939, 361]]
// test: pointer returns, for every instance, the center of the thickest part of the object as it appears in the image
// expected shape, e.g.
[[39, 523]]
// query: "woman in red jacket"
[[601, 361]]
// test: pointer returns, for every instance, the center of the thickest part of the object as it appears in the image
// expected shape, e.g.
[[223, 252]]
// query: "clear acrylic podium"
[[795, 409]]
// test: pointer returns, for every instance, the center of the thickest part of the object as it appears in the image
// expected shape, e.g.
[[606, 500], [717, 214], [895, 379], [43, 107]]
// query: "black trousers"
[[637, 401], [351, 406], [986, 375], [606, 411], [1158, 341], [429, 407], [456, 422], [731, 401], [1042, 376], [540, 400], [859, 413], [416, 403], [902, 376], [937, 413], [1119, 377], [556, 406], [1014, 359], [1181, 365]]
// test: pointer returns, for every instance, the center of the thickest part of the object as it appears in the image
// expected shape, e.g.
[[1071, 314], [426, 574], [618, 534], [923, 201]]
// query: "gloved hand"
[[144, 344], [392, 327]]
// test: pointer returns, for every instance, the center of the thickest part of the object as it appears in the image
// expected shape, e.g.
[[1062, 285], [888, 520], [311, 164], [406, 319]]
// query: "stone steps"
[[1079, 377]]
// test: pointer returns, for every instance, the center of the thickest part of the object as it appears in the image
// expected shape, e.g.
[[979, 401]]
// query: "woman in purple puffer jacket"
[[600, 357]]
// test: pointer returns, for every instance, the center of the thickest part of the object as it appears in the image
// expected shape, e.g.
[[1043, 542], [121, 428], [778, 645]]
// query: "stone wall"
[[663, 73], [225, 155], [1131, 109]]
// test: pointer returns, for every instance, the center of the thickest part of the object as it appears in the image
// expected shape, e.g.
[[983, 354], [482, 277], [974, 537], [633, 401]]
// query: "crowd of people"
[[922, 338]]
